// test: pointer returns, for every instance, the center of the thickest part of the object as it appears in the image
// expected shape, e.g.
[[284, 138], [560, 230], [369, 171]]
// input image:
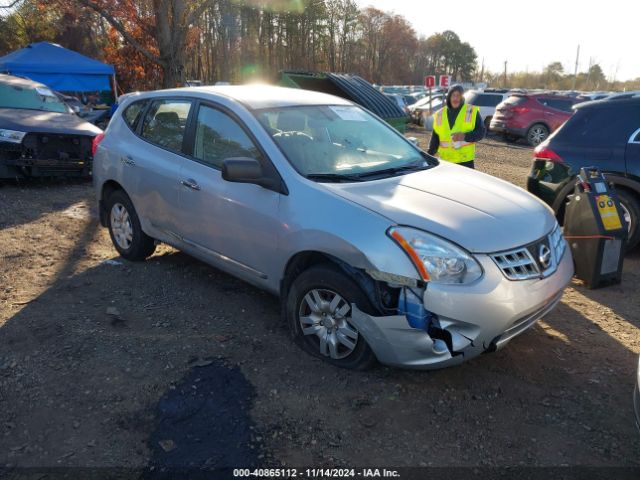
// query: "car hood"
[[38, 121], [479, 212]]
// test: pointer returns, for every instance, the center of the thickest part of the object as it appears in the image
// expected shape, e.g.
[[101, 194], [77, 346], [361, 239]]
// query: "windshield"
[[336, 141], [39, 98]]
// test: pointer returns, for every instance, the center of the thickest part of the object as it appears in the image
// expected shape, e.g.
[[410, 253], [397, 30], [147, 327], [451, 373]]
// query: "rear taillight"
[[520, 109], [96, 141], [543, 152]]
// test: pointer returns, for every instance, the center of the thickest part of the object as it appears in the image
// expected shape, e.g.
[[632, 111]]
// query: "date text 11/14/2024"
[[315, 473]]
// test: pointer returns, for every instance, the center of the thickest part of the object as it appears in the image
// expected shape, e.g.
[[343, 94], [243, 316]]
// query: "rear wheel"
[[125, 230], [537, 134], [631, 211], [319, 313]]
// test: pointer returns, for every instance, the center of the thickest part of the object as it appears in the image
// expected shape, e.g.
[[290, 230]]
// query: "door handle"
[[128, 160], [190, 183]]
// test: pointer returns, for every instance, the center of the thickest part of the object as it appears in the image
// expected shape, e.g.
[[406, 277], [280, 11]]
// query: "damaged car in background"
[[40, 135], [378, 251]]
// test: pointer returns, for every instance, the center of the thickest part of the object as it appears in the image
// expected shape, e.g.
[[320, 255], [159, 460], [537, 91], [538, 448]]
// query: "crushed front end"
[[46, 155], [438, 325]]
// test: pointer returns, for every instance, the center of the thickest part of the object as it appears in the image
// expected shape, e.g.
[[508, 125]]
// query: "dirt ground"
[[107, 363]]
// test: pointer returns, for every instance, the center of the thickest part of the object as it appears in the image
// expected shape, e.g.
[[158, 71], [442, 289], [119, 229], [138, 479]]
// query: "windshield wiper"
[[416, 166], [334, 177]]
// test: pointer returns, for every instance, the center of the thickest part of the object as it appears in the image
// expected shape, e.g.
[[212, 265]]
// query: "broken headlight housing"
[[436, 259], [12, 136]]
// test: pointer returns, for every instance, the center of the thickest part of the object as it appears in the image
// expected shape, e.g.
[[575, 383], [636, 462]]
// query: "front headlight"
[[436, 259], [12, 136]]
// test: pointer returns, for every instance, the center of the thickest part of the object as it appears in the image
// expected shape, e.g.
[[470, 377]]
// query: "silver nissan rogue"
[[377, 250]]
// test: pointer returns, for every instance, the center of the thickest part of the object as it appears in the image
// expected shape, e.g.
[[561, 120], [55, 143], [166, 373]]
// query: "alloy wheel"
[[537, 135]]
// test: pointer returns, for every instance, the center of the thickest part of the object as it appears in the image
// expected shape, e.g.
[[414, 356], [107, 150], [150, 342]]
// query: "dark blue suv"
[[604, 133]]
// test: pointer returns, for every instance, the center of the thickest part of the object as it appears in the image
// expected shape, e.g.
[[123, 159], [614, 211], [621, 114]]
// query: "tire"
[[537, 134], [631, 207], [327, 279], [123, 222]]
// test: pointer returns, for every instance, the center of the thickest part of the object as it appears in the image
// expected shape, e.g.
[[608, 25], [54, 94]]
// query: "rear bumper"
[[498, 126], [482, 317]]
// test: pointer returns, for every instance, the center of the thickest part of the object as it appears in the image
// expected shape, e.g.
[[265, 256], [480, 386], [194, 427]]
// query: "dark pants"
[[468, 164]]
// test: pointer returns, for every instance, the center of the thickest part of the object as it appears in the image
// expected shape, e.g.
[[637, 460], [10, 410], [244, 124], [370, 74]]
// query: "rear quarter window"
[[132, 113], [515, 100]]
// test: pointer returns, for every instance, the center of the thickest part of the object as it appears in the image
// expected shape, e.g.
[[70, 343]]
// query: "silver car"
[[377, 250]]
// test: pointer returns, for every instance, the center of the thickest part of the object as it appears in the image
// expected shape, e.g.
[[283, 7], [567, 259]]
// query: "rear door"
[[153, 163], [235, 225]]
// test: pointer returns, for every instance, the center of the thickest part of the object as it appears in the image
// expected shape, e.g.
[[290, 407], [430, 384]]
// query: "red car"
[[532, 116]]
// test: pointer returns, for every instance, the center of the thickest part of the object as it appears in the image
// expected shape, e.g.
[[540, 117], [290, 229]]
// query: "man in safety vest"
[[456, 129]]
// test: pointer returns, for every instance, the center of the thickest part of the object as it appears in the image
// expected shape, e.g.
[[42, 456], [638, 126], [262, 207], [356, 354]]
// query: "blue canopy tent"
[[58, 68]]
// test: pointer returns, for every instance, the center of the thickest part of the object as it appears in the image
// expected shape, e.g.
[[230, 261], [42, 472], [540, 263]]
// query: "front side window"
[[339, 141], [218, 136], [165, 123]]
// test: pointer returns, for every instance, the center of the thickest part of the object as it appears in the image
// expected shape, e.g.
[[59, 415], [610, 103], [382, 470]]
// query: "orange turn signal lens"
[[415, 258]]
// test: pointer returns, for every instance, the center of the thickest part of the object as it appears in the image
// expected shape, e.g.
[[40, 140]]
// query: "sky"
[[530, 35]]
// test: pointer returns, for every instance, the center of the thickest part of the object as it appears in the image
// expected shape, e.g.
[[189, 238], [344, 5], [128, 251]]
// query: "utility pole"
[[505, 74], [575, 71], [589, 72], [482, 71]]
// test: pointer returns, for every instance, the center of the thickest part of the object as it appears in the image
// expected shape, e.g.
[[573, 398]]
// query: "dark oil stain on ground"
[[203, 428]]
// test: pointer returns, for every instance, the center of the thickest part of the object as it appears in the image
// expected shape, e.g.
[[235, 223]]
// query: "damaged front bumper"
[[468, 320]]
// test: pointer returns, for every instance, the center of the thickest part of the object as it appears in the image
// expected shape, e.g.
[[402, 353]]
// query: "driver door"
[[234, 225]]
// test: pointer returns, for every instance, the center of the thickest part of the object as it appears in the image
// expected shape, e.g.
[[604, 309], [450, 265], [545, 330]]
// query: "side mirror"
[[248, 170]]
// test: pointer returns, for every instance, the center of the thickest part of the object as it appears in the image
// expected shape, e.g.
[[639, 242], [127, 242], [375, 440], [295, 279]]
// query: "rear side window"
[[487, 100], [133, 112], [600, 126], [165, 123], [557, 104]]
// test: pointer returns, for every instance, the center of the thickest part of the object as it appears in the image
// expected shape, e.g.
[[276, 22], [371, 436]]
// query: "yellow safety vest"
[[465, 122]]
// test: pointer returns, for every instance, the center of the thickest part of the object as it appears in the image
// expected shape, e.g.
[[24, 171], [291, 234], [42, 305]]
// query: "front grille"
[[517, 264], [536, 260]]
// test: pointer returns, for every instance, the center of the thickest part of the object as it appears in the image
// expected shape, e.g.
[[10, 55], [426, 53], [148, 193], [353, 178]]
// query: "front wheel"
[[319, 313], [537, 134], [125, 230]]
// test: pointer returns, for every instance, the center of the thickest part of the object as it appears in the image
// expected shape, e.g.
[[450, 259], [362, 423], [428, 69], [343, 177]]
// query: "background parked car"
[[421, 111], [531, 116], [39, 133], [606, 134], [486, 101]]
